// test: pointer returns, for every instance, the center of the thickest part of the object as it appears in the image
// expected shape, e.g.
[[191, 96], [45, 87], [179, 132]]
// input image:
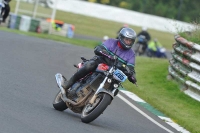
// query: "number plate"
[[119, 75]]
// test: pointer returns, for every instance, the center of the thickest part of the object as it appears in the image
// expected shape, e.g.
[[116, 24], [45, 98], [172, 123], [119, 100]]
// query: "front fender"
[[102, 90], [111, 93]]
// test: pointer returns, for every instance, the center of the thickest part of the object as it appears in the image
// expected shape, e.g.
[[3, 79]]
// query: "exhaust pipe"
[[60, 80]]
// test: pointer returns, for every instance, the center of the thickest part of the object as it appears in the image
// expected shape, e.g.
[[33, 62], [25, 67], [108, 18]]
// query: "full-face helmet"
[[127, 38]]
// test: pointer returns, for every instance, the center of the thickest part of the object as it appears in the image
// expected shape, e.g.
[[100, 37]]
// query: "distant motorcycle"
[[2, 5], [160, 53], [140, 46], [90, 95]]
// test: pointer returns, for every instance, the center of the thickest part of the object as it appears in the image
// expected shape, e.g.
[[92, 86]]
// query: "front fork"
[[102, 90]]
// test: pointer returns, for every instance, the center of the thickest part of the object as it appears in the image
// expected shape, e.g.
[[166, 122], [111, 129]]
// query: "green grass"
[[80, 42], [193, 36], [164, 94], [151, 74]]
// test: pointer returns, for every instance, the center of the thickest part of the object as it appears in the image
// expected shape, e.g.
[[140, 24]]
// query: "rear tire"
[[58, 103], [90, 113]]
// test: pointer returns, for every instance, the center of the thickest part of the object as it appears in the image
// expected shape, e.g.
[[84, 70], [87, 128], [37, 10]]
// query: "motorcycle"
[[90, 95], [160, 53], [140, 46], [2, 5]]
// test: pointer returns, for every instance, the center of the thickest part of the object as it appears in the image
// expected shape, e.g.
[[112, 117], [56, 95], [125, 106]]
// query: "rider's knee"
[[91, 65]]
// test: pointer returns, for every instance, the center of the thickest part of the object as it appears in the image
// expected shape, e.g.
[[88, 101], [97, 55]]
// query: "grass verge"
[[80, 42], [164, 94]]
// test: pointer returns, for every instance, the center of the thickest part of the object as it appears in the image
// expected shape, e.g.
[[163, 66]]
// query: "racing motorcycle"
[[91, 95], [2, 5], [160, 53], [139, 47]]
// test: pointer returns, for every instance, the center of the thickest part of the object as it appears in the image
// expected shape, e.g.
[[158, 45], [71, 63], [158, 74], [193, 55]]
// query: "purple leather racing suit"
[[128, 56]]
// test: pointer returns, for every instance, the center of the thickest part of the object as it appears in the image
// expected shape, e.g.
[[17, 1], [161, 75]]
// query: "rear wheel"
[[58, 103], [91, 112]]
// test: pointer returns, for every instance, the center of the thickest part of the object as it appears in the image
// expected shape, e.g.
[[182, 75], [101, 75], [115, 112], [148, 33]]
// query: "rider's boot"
[[78, 75]]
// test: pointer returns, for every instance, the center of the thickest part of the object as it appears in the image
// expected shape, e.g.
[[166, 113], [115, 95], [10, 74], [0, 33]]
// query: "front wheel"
[[91, 112], [58, 103]]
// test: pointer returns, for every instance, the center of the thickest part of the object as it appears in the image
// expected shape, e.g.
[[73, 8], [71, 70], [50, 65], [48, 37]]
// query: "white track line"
[[145, 115]]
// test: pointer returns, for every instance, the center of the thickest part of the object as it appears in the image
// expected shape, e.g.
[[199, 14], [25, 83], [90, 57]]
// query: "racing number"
[[120, 76]]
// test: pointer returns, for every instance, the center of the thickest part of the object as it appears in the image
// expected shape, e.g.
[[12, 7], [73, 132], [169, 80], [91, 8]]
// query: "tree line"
[[183, 10]]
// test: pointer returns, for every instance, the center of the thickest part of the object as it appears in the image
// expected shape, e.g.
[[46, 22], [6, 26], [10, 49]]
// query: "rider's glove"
[[132, 79]]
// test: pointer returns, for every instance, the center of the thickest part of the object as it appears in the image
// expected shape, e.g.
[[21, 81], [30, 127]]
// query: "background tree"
[[183, 10]]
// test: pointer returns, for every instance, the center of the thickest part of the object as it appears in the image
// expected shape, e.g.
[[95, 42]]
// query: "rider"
[[155, 48], [144, 35], [104, 54], [6, 10]]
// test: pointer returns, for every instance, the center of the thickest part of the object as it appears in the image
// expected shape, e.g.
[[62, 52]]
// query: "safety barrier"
[[185, 66]]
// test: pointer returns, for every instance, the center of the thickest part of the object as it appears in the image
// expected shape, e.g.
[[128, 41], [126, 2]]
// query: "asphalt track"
[[27, 88]]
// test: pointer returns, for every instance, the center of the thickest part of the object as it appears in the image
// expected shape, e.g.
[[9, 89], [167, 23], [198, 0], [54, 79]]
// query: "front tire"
[[91, 112], [58, 103]]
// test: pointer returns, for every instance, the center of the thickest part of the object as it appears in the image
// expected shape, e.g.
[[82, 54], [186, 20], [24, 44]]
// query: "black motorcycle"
[[90, 95], [140, 46], [2, 5]]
